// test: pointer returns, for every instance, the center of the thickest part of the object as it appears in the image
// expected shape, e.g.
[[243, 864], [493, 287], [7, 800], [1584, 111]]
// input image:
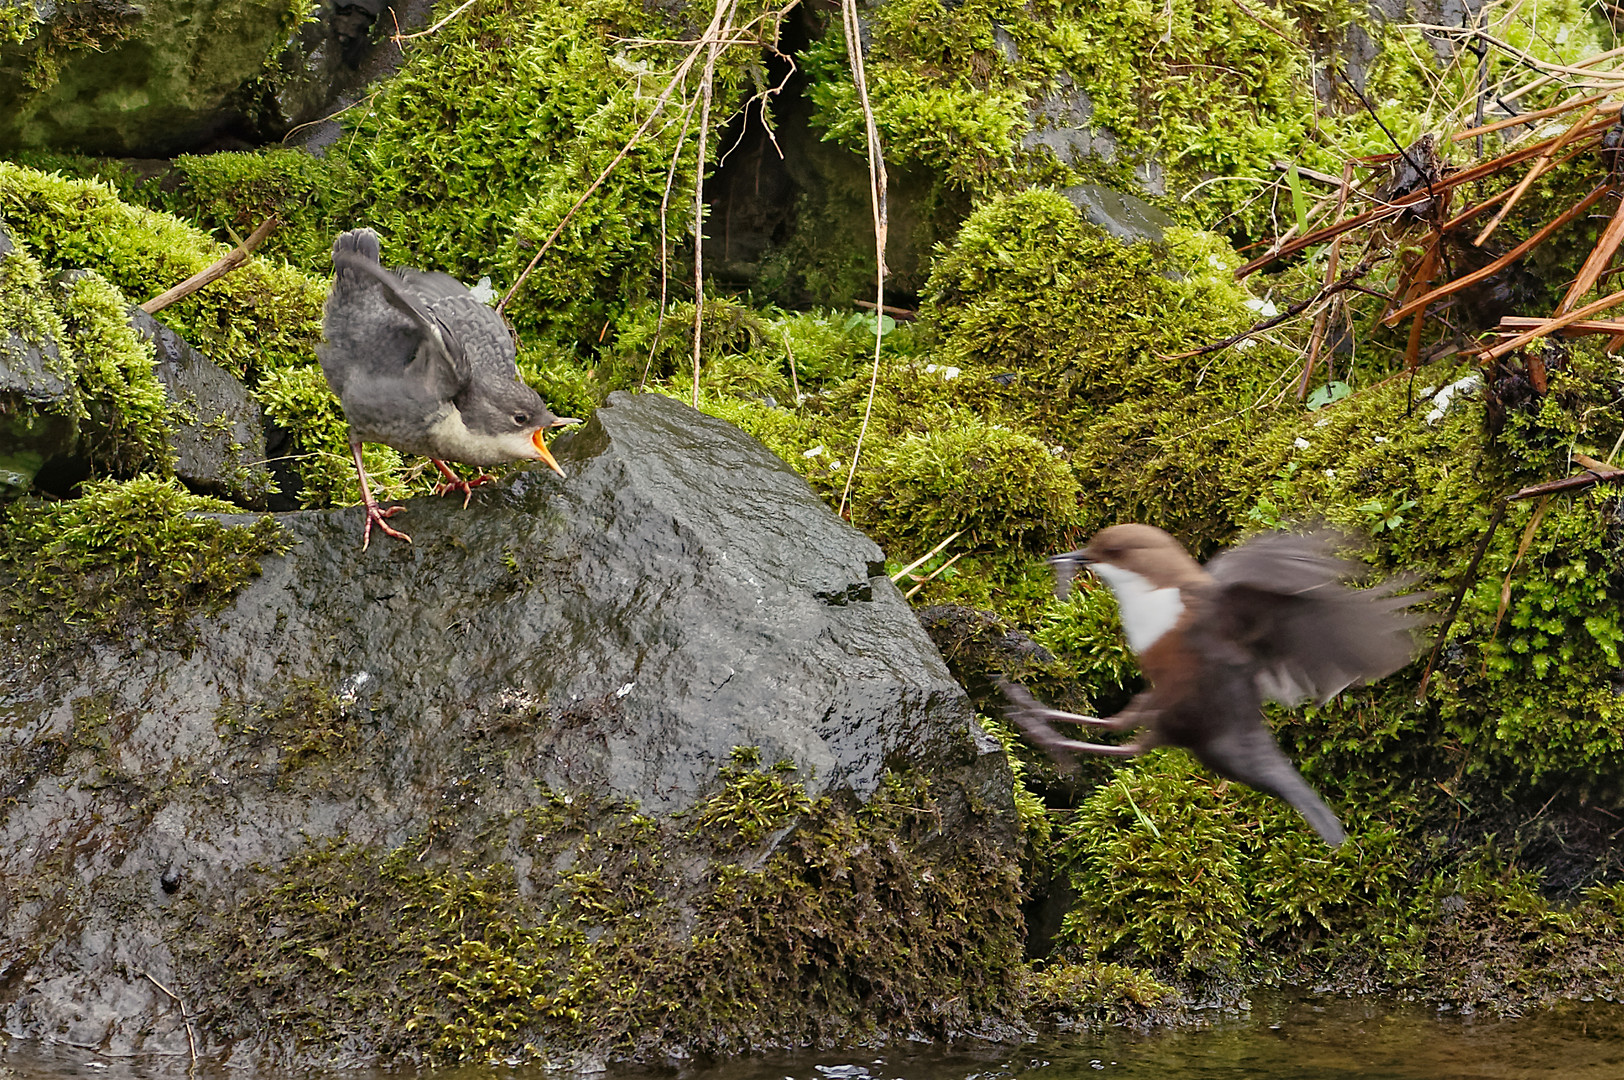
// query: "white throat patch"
[[1147, 613]]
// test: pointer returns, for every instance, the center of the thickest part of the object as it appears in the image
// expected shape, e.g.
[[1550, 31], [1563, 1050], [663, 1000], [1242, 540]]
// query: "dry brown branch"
[[903, 313], [1466, 579], [707, 80], [1550, 325], [1516, 324], [222, 266], [1454, 180], [1462, 282], [1522, 549], [185, 1014], [1527, 117], [930, 577], [1347, 281], [925, 558], [877, 182], [1600, 256], [1317, 339]]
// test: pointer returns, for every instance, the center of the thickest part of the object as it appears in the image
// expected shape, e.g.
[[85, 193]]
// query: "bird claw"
[[377, 515], [465, 486]]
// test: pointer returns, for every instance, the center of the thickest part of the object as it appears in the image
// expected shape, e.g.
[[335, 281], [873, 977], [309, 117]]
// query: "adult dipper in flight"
[[1270, 618], [419, 363]]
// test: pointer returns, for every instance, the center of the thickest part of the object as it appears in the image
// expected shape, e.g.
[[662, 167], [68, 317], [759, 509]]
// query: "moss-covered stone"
[[142, 549], [804, 919], [117, 79]]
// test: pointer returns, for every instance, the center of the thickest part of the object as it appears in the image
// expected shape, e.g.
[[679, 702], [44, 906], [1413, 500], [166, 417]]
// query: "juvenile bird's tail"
[[357, 243]]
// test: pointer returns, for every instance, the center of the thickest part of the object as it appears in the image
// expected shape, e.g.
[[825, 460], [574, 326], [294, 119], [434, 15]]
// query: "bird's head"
[[1133, 552], [511, 425]]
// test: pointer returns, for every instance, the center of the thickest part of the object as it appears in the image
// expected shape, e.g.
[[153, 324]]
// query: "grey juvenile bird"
[[419, 363], [1270, 618]]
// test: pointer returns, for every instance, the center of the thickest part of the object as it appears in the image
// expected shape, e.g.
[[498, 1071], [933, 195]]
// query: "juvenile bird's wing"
[[1284, 603], [478, 331], [448, 362]]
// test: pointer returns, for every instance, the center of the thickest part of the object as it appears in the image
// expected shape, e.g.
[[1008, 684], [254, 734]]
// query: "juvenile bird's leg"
[[375, 513], [453, 482], [1034, 718]]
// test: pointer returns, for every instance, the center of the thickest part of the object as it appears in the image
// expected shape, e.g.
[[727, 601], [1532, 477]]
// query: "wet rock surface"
[[616, 634]]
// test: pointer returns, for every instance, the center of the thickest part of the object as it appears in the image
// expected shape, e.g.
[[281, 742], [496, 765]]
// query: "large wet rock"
[[607, 638]]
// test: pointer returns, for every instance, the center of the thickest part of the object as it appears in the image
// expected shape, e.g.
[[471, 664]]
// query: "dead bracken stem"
[[665, 242], [930, 577], [926, 557], [185, 1014], [220, 268], [877, 184]]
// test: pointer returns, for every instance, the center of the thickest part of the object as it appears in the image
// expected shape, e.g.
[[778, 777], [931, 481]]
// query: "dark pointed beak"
[[1066, 566]]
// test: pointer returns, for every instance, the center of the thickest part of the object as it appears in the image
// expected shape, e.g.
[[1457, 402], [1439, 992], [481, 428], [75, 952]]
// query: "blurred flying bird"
[[1270, 618], [420, 364]]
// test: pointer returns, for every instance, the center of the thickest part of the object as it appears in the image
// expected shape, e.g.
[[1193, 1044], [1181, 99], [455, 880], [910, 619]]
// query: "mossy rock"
[[124, 80]]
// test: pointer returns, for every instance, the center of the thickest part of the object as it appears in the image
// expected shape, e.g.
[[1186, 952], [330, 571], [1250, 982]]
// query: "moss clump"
[[714, 931], [1096, 991], [138, 548], [260, 317], [118, 414], [965, 475], [130, 417]]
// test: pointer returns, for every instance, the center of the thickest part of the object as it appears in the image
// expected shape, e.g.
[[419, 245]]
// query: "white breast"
[[1147, 612]]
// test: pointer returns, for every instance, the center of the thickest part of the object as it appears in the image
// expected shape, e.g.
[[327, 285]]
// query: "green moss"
[[260, 317], [621, 935], [17, 22], [1095, 991], [965, 475], [140, 548], [130, 419]]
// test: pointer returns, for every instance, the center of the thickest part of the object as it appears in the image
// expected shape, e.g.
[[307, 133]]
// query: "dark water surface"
[[1285, 1035]]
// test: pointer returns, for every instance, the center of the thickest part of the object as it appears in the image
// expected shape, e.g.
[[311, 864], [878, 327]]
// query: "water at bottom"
[[1285, 1035]]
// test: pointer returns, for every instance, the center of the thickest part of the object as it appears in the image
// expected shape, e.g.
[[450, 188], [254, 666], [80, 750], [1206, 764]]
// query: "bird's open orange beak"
[[546, 454]]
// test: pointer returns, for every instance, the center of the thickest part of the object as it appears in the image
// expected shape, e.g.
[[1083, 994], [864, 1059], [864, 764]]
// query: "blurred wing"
[[1283, 600], [1247, 752]]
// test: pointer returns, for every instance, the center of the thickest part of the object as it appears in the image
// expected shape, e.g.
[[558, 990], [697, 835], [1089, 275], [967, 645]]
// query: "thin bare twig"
[[185, 1014], [930, 577], [707, 80], [877, 182], [222, 266], [1347, 281], [398, 37], [665, 239]]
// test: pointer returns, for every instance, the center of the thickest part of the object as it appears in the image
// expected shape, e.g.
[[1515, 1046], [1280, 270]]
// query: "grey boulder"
[[615, 634]]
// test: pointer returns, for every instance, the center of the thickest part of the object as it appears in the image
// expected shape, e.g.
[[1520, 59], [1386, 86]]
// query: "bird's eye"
[[521, 419]]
